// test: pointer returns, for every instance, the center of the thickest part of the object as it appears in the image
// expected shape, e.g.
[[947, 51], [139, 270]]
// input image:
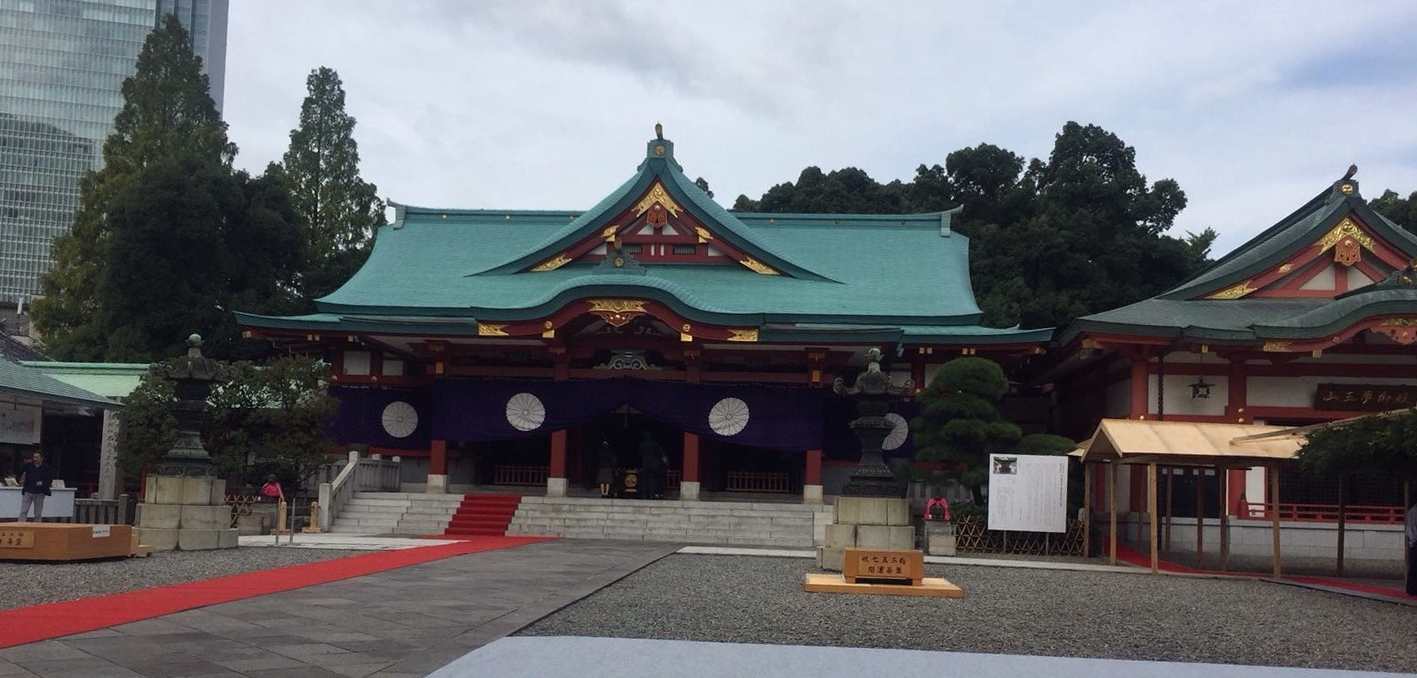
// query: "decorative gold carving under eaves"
[[1234, 292], [758, 266], [703, 233], [657, 194], [552, 264], [743, 335], [617, 312], [1346, 229], [1276, 346], [491, 330], [608, 233], [1399, 322]]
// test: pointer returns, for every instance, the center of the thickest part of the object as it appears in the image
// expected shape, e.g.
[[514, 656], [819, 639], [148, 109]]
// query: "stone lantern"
[[184, 504]]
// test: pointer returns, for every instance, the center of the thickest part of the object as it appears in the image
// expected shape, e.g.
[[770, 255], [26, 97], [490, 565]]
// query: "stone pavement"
[[401, 623]]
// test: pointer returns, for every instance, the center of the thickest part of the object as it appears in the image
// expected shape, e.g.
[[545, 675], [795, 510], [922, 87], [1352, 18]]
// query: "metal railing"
[[757, 481], [118, 511], [1328, 513]]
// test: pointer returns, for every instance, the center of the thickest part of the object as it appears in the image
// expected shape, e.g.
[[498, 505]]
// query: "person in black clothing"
[[605, 467], [652, 462], [36, 477]]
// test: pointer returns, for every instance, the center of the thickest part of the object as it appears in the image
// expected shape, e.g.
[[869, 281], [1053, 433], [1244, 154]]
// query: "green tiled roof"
[[110, 380], [444, 270], [1178, 314], [28, 382]]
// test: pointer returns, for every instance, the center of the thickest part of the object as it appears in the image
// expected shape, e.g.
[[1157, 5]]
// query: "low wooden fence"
[[120, 511], [758, 481], [972, 535], [1328, 513], [518, 474]]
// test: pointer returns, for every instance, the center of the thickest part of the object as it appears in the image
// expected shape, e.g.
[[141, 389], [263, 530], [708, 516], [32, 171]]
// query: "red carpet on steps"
[[52, 620], [483, 515]]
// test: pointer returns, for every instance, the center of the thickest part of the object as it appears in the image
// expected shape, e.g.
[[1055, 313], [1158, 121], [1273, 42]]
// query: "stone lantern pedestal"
[[184, 504]]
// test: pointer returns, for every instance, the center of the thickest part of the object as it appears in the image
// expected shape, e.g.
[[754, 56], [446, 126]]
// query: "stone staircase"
[[690, 522], [403, 513]]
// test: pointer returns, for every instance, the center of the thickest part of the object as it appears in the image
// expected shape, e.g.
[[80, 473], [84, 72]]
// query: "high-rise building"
[[62, 66]]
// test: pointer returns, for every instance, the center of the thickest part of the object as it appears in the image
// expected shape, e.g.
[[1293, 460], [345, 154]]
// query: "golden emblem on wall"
[[552, 264], [657, 196], [1276, 346], [750, 334], [703, 233], [758, 266], [1234, 292], [491, 330], [1345, 239]]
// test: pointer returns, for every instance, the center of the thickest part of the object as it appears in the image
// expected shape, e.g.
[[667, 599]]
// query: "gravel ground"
[[34, 583], [1008, 611]]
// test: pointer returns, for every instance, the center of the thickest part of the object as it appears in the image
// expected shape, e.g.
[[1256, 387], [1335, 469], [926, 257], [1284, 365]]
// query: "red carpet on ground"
[[483, 515], [52, 620]]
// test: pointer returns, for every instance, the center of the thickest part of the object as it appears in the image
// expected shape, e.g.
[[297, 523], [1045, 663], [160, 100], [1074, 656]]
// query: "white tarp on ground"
[[1028, 493], [563, 657]]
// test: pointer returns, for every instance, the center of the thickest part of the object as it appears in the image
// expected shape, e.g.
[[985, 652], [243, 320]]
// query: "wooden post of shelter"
[[1406, 548], [1342, 516], [1170, 477], [1200, 517], [1274, 516], [1152, 491], [1086, 511], [1112, 501], [1223, 494]]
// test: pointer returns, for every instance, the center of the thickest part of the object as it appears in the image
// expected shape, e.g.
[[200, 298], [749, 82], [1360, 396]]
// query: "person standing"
[[652, 462], [36, 477], [1411, 534], [605, 467]]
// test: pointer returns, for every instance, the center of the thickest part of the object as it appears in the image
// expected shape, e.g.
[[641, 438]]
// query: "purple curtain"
[[361, 417], [782, 418]]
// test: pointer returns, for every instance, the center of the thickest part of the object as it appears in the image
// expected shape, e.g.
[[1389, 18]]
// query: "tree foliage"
[[959, 421], [1080, 232], [1380, 445], [1403, 211], [167, 110], [168, 239], [269, 419], [321, 169]]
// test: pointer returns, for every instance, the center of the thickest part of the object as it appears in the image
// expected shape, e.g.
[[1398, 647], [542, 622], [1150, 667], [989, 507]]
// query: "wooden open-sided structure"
[[1156, 444]]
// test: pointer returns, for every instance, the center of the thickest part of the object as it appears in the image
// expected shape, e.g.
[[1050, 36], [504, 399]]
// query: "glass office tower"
[[62, 64]]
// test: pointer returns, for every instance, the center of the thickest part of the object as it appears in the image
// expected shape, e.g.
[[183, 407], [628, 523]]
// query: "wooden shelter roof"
[[1179, 443]]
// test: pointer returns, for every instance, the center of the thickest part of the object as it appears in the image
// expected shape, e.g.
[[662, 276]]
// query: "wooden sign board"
[[883, 565]]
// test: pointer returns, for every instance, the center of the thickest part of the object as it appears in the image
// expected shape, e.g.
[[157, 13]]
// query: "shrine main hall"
[[501, 348]]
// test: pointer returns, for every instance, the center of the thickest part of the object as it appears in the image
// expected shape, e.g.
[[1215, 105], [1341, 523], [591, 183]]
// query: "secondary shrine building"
[[491, 347], [1313, 320]]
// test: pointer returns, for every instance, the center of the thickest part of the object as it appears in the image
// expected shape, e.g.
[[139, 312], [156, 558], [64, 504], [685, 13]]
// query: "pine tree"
[[321, 168], [167, 112], [960, 423]]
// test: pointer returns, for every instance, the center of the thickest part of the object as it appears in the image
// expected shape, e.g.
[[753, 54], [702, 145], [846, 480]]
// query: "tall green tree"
[[167, 112], [321, 169], [1403, 211], [960, 423]]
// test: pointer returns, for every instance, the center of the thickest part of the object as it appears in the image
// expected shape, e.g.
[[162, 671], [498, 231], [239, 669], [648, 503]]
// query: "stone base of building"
[[557, 487], [812, 494], [689, 490]]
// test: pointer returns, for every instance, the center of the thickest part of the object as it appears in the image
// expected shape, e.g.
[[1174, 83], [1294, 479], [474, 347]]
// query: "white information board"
[[19, 425], [1028, 493]]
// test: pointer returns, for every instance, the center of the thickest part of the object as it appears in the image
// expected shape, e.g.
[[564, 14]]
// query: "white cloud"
[[547, 105]]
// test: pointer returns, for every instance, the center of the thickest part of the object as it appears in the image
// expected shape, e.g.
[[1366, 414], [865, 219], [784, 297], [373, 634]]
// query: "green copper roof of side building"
[[443, 271], [1179, 314]]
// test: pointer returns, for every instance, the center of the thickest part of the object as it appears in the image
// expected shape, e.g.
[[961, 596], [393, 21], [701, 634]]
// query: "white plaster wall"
[[1322, 281], [930, 371], [1178, 395], [1300, 391], [1254, 484], [1357, 278]]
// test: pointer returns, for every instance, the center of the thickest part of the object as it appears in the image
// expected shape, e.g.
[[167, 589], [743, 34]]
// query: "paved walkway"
[[402, 623]]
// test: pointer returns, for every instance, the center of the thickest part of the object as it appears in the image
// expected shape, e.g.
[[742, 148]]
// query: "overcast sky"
[[1253, 107]]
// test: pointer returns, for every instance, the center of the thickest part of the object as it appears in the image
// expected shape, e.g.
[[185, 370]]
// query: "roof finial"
[[1352, 170], [659, 131]]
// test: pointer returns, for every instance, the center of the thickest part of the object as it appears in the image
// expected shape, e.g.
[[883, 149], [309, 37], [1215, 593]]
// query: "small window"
[[685, 249], [356, 363], [633, 248], [393, 367]]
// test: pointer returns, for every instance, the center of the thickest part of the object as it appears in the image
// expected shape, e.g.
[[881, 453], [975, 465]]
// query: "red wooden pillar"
[[556, 482], [689, 481], [812, 478], [1141, 386], [438, 467]]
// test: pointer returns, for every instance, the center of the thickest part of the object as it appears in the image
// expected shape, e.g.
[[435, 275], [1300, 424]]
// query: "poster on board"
[[1028, 493], [19, 425]]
